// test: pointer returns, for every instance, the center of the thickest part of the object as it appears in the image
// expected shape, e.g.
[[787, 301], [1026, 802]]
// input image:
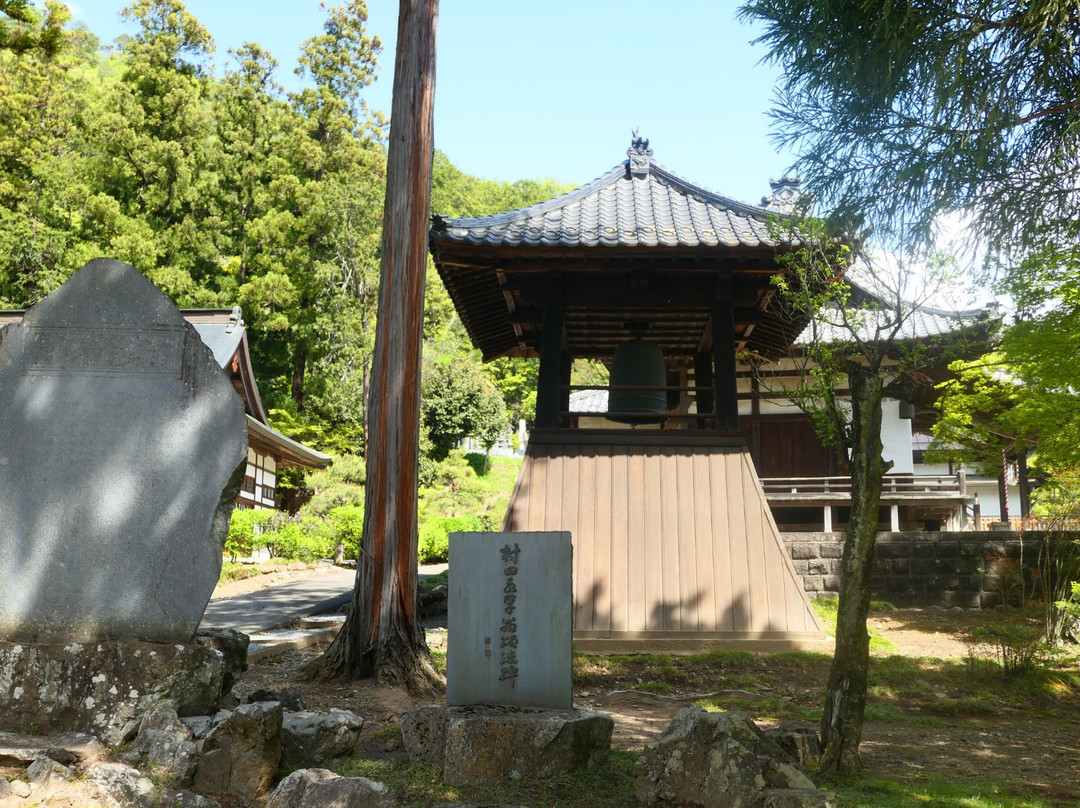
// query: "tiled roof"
[[589, 401], [637, 203], [221, 338], [919, 323], [881, 323]]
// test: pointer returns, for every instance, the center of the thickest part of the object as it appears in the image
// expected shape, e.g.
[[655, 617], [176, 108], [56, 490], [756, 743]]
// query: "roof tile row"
[[618, 209]]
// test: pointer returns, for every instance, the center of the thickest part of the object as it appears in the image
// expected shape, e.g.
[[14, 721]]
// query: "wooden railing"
[[1053, 523], [896, 489], [904, 484]]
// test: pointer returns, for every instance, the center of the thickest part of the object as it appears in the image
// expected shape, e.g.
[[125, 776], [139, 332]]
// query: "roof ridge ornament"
[[639, 154], [786, 194]]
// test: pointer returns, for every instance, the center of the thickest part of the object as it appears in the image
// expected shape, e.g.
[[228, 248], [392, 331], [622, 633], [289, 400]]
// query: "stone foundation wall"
[[971, 570]]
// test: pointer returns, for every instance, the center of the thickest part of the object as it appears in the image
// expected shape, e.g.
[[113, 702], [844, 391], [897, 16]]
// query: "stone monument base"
[[105, 687], [489, 743]]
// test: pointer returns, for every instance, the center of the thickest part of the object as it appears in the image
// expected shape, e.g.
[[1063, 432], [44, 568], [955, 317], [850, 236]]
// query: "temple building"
[[675, 546]]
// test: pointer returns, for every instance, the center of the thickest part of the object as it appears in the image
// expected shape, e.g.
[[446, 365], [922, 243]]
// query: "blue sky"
[[553, 89]]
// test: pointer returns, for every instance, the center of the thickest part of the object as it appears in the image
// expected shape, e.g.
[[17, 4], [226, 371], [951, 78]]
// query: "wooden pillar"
[[1023, 484], [703, 377], [1003, 488], [566, 366], [755, 420], [550, 380], [723, 341]]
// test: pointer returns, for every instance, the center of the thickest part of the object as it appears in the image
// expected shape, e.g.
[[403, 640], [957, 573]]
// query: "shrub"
[[434, 545], [1015, 648], [299, 539], [346, 525], [335, 486], [245, 527]]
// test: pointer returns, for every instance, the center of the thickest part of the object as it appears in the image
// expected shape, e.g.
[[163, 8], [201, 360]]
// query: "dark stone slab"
[[122, 448]]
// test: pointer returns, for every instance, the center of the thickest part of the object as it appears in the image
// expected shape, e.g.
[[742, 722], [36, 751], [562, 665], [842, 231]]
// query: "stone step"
[[320, 621], [266, 644]]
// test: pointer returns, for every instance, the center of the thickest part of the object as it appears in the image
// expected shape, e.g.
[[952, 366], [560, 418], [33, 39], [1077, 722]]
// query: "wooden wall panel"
[[669, 540], [693, 590], [620, 542], [603, 537], [637, 562], [704, 571]]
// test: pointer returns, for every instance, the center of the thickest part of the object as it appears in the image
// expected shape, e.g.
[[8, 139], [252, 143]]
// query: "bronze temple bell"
[[638, 378]]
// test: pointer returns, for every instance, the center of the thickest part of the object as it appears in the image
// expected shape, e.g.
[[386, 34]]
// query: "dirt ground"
[[1033, 754]]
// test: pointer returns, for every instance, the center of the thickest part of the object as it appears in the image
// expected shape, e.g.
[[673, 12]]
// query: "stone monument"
[[509, 620], [509, 692], [122, 448]]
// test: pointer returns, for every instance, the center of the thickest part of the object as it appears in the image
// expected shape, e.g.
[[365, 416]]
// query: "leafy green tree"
[[43, 99], [459, 400], [901, 112], [331, 270], [516, 379], [253, 124], [857, 349], [905, 112], [340, 484], [150, 141], [23, 29]]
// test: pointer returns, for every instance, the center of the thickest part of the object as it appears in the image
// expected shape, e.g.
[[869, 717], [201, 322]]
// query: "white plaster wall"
[[896, 438], [986, 489]]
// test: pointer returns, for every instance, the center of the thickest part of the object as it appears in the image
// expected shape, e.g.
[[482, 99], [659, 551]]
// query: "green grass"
[[901, 794], [438, 656], [767, 709], [232, 571], [392, 732], [826, 611], [432, 581]]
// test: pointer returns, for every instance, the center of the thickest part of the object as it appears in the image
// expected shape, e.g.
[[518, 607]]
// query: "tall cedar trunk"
[[299, 368], [845, 694], [382, 636]]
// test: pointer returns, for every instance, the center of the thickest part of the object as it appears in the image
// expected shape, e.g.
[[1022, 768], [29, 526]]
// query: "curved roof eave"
[[621, 208]]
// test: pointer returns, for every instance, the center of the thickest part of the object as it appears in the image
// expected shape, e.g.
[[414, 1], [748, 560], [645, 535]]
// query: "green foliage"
[[224, 190], [25, 30], [298, 538], [963, 105], [231, 571], [1058, 571], [1016, 648], [434, 543], [516, 379], [346, 525], [1070, 609], [459, 400], [339, 484], [459, 499], [245, 529]]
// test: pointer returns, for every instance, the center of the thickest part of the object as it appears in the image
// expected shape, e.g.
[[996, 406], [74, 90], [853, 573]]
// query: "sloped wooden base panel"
[[673, 539]]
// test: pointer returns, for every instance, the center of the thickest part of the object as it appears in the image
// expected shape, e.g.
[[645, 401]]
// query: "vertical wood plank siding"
[[672, 537]]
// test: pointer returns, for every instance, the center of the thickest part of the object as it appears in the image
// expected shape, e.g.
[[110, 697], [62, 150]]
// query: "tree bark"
[[299, 368], [845, 693], [382, 636]]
